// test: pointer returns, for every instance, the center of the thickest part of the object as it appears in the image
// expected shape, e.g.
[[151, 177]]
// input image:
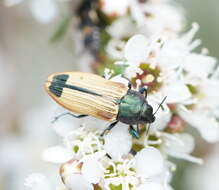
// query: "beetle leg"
[[133, 152], [133, 132], [143, 91], [68, 113], [148, 129], [109, 127], [138, 130], [129, 84]]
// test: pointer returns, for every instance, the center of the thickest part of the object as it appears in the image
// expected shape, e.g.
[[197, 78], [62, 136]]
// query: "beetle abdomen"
[[86, 94]]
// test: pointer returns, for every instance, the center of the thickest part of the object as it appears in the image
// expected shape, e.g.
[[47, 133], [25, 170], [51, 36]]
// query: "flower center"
[[150, 77]]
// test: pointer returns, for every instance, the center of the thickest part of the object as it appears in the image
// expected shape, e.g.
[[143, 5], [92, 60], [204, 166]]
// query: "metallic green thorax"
[[133, 108]]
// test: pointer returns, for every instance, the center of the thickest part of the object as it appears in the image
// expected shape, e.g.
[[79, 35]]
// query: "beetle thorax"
[[130, 107]]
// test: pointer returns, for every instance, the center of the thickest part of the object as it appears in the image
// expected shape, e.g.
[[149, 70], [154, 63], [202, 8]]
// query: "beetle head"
[[147, 115]]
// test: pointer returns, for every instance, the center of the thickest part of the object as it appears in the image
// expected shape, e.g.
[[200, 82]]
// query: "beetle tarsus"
[[109, 128], [133, 132], [133, 152], [68, 113]]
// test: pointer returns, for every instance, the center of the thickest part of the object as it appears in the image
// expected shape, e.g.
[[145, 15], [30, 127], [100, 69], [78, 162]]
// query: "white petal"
[[37, 181], [44, 10], [112, 7], [115, 48], [78, 182], [168, 187], [181, 143], [150, 186], [64, 125], [211, 93], [199, 65], [165, 177], [116, 29], [118, 141], [136, 49], [207, 126], [149, 162], [163, 116], [92, 170], [93, 123], [187, 157], [176, 92], [132, 70], [57, 154], [69, 168], [120, 79]]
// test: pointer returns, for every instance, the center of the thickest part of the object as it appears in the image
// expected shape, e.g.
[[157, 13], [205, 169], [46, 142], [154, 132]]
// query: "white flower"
[[44, 10], [208, 95], [37, 181], [163, 116], [153, 18], [140, 50], [138, 171], [136, 50], [65, 124], [205, 177], [120, 173], [149, 162], [115, 48], [78, 182], [179, 146], [72, 177], [114, 7], [92, 168], [206, 125], [151, 186], [118, 142], [117, 28], [57, 154], [84, 141], [177, 52], [176, 92]]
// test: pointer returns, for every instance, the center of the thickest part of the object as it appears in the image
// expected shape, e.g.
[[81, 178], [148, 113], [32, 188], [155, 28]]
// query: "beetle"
[[92, 95]]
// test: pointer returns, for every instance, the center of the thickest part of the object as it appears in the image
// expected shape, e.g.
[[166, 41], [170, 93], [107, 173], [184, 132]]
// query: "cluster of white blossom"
[[150, 18], [43, 11], [163, 61]]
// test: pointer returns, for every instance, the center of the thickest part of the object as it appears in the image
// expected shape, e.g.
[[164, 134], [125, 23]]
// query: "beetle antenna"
[[148, 129], [160, 105]]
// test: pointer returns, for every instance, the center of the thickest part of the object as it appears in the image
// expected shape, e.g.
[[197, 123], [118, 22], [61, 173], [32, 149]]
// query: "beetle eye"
[[150, 109]]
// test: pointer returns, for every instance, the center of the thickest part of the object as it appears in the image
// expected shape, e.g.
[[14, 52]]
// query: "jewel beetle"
[[92, 95]]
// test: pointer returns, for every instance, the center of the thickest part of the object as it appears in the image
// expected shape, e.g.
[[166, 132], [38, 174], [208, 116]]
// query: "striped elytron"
[[90, 94]]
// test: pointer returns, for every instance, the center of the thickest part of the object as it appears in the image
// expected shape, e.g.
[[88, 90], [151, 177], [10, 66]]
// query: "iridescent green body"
[[134, 109]]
